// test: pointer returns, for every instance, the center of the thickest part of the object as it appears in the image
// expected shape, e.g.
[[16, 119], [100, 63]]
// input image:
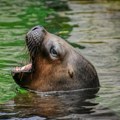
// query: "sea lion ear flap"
[[70, 71]]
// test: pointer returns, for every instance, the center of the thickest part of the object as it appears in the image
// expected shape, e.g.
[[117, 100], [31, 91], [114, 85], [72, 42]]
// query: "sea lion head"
[[54, 64]]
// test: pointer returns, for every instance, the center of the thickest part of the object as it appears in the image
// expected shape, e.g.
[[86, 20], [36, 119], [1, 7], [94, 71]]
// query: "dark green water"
[[94, 25]]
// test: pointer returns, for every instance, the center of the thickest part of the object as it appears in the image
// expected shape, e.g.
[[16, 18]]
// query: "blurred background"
[[92, 26]]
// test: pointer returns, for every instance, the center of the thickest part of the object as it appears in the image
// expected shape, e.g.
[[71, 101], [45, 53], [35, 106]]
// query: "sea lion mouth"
[[26, 68]]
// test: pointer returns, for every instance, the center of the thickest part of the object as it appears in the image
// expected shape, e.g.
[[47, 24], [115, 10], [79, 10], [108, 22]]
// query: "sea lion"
[[55, 65]]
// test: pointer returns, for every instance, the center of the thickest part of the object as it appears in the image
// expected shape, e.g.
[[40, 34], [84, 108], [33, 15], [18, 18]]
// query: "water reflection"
[[50, 105], [78, 104], [98, 31]]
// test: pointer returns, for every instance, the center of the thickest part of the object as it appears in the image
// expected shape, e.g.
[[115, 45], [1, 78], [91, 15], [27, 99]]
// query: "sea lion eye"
[[53, 52]]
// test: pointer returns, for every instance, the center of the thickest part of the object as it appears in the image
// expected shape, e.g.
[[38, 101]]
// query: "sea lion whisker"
[[31, 49], [37, 37], [31, 39], [30, 45], [32, 42]]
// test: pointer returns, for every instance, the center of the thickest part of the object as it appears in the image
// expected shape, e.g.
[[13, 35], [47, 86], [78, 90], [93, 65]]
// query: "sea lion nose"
[[38, 27]]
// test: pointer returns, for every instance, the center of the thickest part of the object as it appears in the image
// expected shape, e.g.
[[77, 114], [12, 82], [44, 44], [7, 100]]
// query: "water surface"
[[99, 32]]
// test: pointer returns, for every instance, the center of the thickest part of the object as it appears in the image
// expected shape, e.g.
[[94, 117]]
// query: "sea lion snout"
[[37, 33], [37, 27], [34, 37]]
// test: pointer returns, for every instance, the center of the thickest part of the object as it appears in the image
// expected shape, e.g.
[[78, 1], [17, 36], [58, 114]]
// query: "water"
[[99, 32], [96, 27]]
